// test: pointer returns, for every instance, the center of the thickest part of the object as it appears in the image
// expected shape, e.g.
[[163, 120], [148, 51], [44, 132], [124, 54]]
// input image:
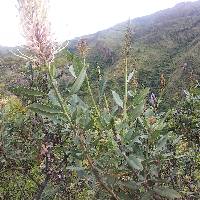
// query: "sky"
[[73, 18]]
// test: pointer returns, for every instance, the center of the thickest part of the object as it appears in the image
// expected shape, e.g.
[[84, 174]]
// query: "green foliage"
[[27, 92], [79, 81], [57, 142], [167, 192], [117, 99], [99, 156]]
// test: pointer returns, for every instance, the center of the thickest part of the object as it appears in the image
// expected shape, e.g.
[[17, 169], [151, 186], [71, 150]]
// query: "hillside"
[[162, 43], [9, 66]]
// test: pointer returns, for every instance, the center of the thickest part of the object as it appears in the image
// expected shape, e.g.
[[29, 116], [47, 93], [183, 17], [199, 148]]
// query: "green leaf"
[[161, 123], [131, 93], [46, 108], [177, 140], [79, 81], [71, 70], [73, 168], [111, 180], [42, 109], [141, 96], [149, 113], [117, 99], [167, 192], [123, 196], [75, 102], [22, 91], [52, 112], [134, 162], [139, 139], [130, 76], [52, 97], [106, 117], [132, 185], [147, 196], [79, 110], [161, 143], [154, 170], [137, 111]]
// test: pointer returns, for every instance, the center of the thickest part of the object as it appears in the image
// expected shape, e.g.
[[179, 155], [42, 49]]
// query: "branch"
[[95, 170], [43, 185], [41, 188]]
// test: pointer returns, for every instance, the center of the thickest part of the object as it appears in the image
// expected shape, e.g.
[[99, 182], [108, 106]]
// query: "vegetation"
[[66, 132], [162, 43]]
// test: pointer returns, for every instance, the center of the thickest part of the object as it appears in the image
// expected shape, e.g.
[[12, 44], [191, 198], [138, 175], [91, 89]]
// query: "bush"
[[59, 143]]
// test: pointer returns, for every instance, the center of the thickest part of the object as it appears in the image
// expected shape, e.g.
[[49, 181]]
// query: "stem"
[[126, 88], [90, 91], [41, 188], [106, 102], [43, 185], [93, 168], [104, 95], [95, 171], [58, 95]]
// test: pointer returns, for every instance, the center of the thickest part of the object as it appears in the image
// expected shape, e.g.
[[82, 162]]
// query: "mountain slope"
[[162, 43]]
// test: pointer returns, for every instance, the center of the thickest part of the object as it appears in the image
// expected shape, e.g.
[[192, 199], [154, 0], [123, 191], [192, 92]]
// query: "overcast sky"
[[71, 18]]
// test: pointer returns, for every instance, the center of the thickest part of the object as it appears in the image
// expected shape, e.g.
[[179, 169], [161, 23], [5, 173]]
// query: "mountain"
[[167, 42], [9, 66], [162, 43]]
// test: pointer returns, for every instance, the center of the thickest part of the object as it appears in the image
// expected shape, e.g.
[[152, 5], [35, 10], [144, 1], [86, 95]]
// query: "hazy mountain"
[[9, 65], [162, 43]]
